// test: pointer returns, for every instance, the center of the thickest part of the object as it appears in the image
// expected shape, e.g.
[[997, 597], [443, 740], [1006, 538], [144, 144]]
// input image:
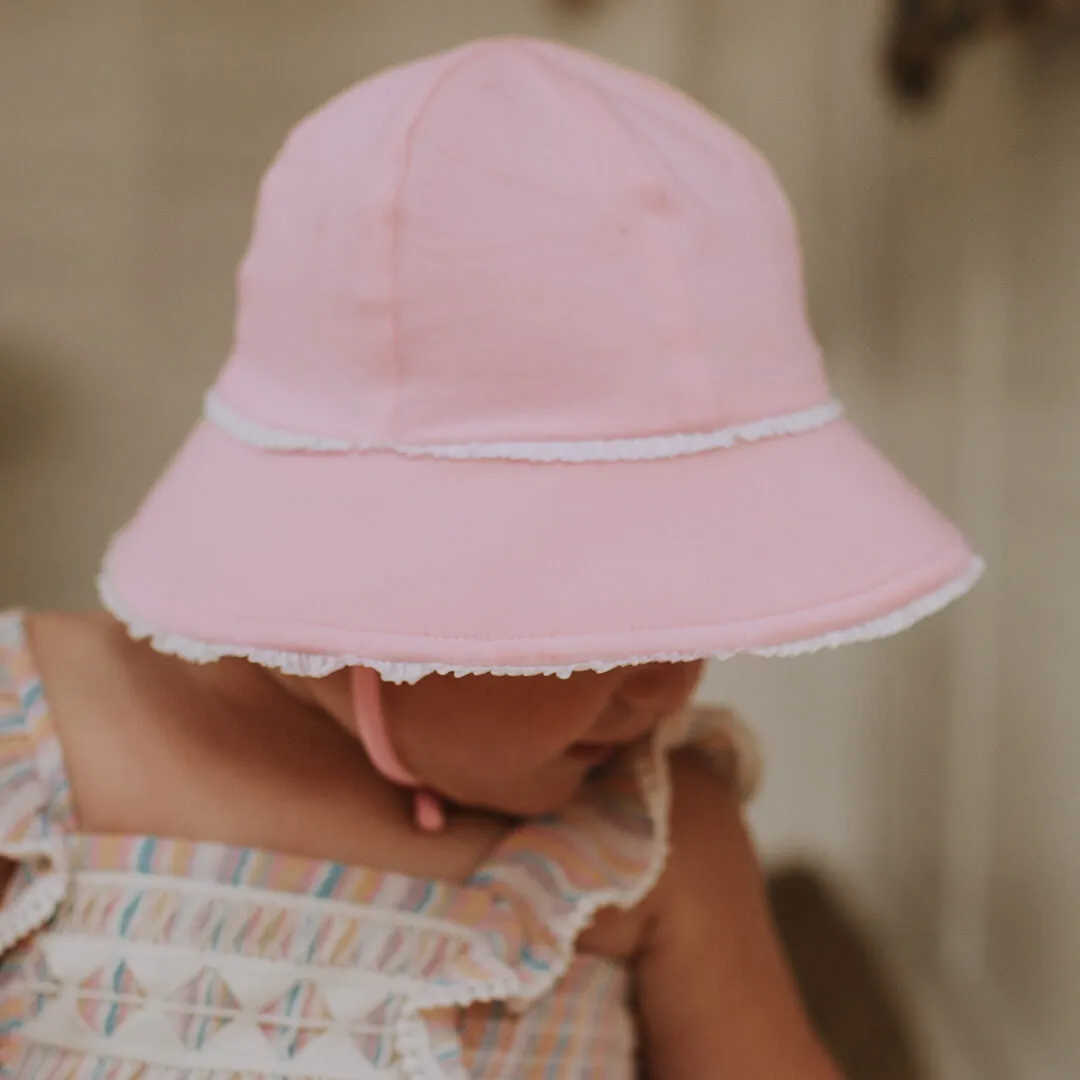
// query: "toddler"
[[382, 762]]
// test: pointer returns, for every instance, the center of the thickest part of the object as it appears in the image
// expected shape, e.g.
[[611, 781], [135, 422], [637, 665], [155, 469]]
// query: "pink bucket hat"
[[523, 383]]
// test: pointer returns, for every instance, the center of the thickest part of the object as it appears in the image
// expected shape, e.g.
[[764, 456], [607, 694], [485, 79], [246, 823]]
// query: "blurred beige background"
[[936, 774]]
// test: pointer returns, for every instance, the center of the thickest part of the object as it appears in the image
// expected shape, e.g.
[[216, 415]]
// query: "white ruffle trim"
[[418, 1060], [646, 448], [317, 665], [39, 902]]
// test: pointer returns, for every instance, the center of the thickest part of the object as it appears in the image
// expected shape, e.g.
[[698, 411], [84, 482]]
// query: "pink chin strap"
[[370, 724]]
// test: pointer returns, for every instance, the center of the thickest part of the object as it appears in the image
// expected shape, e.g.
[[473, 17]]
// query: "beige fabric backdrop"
[[935, 772]]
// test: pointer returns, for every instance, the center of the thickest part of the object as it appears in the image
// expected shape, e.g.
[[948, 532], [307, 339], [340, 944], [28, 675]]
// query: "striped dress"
[[142, 958]]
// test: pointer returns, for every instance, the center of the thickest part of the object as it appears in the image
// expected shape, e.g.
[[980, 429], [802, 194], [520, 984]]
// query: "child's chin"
[[537, 804]]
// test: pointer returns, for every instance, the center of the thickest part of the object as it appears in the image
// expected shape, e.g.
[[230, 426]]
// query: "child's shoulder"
[[116, 710], [67, 648], [85, 667], [35, 793], [155, 746], [26, 721], [84, 661], [136, 729], [74, 649]]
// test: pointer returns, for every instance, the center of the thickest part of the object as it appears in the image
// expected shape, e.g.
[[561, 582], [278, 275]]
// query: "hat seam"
[[396, 198], [657, 171]]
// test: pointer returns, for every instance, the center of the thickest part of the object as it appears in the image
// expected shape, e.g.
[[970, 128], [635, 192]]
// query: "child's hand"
[[731, 747], [715, 995]]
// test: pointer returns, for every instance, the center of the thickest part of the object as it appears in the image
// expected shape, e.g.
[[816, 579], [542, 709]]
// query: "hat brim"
[[312, 561]]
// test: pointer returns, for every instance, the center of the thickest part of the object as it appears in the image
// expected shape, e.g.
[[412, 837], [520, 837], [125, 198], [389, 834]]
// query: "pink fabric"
[[515, 241], [479, 563], [370, 721], [512, 242]]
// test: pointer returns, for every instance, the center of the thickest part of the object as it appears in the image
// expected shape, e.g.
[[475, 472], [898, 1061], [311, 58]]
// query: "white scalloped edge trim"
[[645, 448], [414, 1046], [41, 900], [318, 665]]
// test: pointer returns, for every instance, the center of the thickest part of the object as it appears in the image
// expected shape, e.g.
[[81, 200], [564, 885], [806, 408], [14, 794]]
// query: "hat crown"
[[514, 242]]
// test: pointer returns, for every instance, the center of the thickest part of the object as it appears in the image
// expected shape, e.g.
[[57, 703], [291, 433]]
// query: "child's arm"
[[716, 999]]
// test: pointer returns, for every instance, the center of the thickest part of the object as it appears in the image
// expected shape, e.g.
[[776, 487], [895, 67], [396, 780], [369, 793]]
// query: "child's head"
[[523, 383], [519, 746]]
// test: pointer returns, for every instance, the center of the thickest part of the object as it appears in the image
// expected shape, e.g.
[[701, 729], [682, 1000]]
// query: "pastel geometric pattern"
[[266, 928], [152, 1010], [373, 1047], [293, 1020], [206, 1004], [174, 960], [41, 984], [108, 997], [372, 1034]]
